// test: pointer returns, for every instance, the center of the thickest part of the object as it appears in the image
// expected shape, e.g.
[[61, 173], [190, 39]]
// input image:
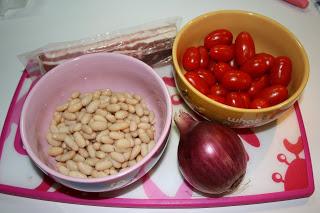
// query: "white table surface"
[[43, 22]]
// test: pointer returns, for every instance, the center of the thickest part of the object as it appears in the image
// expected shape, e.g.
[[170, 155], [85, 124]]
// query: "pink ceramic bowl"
[[89, 73]]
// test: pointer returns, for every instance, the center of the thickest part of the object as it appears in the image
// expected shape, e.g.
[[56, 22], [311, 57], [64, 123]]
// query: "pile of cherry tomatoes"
[[233, 73]]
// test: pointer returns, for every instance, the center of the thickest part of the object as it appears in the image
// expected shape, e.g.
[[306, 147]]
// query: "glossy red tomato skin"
[[244, 48], [218, 90], [259, 103], [207, 76], [204, 57], [258, 65], [211, 65], [281, 70], [222, 52], [219, 69], [220, 36], [274, 94], [258, 84], [236, 80], [197, 82], [235, 99], [217, 98], [191, 59], [246, 98]]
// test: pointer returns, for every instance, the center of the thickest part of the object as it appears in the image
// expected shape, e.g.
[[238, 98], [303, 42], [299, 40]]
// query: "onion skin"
[[211, 157]]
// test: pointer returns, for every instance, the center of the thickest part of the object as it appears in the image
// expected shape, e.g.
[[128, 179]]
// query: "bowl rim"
[[60, 68], [281, 105]]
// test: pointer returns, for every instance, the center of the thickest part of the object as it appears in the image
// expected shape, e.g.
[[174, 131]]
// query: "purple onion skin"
[[211, 157]]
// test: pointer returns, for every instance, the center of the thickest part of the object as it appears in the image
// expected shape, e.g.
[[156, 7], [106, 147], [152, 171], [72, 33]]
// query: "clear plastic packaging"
[[151, 43]]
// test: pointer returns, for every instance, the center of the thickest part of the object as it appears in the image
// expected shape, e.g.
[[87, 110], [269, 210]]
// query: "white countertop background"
[[43, 22]]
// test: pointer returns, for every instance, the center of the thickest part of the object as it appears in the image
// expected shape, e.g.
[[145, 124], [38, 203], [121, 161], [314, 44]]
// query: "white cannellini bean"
[[58, 136], [113, 107], [75, 94], [86, 99], [127, 155], [69, 141], [151, 145], [113, 172], [123, 143], [52, 141], [79, 139], [139, 158], [98, 174], [143, 136], [116, 164], [67, 156], [91, 161], [75, 127], [98, 125], [101, 112], [144, 126], [77, 174], [99, 118], [144, 149], [75, 107], [113, 100], [93, 106], [86, 118], [87, 129], [116, 135], [135, 152], [55, 151], [84, 168], [139, 110], [83, 152], [69, 116], [111, 118], [117, 157], [107, 148], [78, 158], [103, 165], [132, 101], [63, 170], [62, 107], [133, 126], [106, 139], [71, 165], [121, 114], [91, 151], [100, 154], [118, 126], [132, 162]]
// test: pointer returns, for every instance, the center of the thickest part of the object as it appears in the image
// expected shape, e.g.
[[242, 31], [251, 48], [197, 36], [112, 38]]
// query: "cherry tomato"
[[244, 48], [222, 52], [246, 98], [207, 76], [259, 103], [211, 65], [258, 84], [236, 99], [233, 64], [236, 80], [217, 98], [218, 90], [258, 65], [196, 81], [274, 94], [281, 71], [191, 59], [204, 57], [220, 36], [219, 69]]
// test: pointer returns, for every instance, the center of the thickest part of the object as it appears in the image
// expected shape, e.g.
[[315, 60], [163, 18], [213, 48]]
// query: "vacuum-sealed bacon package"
[[151, 43]]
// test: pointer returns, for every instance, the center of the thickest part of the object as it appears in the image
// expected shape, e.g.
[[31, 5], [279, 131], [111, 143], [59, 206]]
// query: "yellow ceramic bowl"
[[269, 36]]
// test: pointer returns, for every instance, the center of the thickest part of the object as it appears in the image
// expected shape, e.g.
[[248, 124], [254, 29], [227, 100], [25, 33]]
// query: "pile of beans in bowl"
[[100, 133]]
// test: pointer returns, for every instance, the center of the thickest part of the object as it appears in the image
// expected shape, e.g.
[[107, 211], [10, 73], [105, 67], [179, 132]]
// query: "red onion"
[[211, 157]]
